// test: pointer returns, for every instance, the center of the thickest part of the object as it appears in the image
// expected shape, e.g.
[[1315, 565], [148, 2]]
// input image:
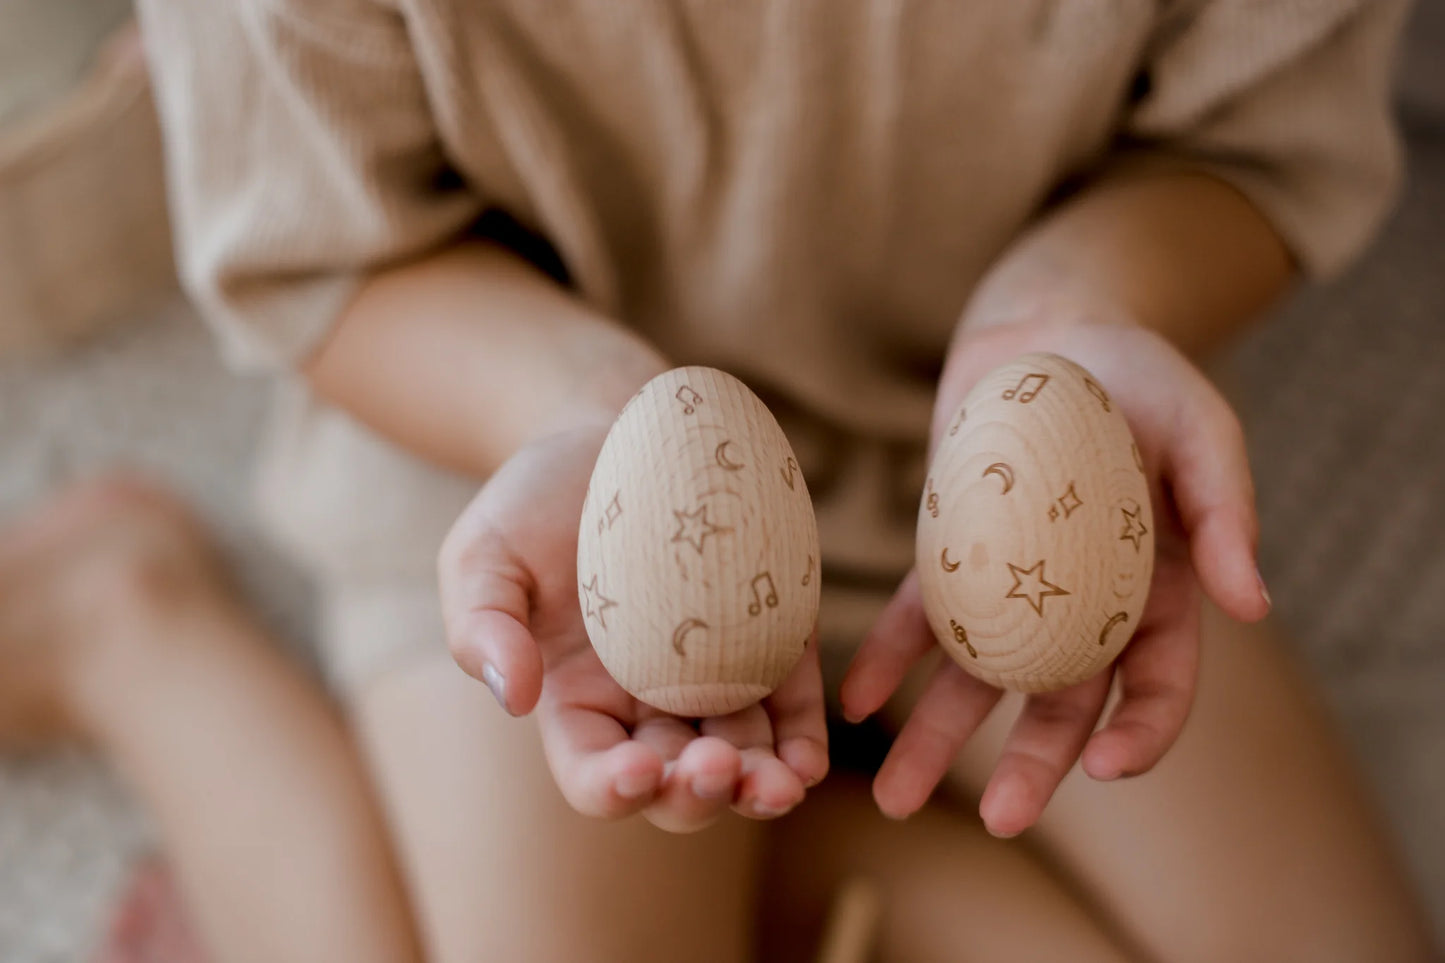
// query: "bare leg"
[[1253, 840], [115, 627], [151, 925], [950, 891], [497, 865], [502, 869]]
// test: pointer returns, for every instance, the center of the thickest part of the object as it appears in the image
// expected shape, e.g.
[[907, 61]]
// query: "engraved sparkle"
[[1069, 501]]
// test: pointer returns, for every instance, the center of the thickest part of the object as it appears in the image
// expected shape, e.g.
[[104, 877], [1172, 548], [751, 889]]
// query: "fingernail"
[[496, 683], [1002, 798], [713, 785], [765, 811], [635, 785], [1263, 589]]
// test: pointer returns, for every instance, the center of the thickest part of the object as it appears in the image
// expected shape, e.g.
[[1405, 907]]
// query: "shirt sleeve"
[[1289, 102], [301, 155]]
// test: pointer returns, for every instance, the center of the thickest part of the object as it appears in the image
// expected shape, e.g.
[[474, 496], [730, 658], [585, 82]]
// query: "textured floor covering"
[[1344, 400]]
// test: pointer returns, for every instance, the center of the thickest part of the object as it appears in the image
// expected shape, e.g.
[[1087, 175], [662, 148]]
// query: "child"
[[476, 229]]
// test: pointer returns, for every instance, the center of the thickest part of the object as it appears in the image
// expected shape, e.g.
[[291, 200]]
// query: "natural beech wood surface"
[[697, 557], [1035, 534]]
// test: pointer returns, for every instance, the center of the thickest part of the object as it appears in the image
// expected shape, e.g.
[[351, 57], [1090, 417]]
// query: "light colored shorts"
[[365, 519]]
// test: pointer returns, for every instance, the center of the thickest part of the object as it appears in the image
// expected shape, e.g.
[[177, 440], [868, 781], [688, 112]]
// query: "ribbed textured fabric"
[[800, 192]]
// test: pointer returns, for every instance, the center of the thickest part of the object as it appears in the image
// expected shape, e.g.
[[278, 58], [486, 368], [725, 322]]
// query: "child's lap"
[[1254, 835], [1254, 807]]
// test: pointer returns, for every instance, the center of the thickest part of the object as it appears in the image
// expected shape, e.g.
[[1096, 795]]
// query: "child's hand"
[[509, 594], [1194, 452]]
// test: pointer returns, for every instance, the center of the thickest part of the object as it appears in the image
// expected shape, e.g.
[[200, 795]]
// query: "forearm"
[[1180, 252], [468, 354]]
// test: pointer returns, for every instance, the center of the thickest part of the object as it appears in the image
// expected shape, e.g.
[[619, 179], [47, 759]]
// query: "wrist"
[[602, 387], [1039, 322], [1042, 305]]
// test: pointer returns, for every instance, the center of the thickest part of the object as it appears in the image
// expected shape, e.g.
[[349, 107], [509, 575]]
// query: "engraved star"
[[597, 603], [1134, 530], [694, 527], [1038, 588]]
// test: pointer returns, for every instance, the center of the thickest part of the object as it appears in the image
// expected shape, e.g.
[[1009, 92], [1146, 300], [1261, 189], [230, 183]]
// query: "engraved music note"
[[759, 598], [958, 422], [808, 575], [1027, 389], [690, 399], [931, 503], [960, 635]]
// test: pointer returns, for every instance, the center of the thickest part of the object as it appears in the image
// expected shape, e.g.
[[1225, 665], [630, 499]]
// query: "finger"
[[899, 638], [1207, 467], [699, 786], [947, 714], [767, 786], [1038, 753], [486, 605], [599, 769], [1157, 674], [800, 727], [666, 734]]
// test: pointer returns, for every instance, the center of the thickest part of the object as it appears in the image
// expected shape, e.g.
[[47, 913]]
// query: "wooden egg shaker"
[[697, 557], [1035, 535]]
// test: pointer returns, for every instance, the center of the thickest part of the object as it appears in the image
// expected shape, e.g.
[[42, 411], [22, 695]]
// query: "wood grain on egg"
[[1035, 534], [697, 557]]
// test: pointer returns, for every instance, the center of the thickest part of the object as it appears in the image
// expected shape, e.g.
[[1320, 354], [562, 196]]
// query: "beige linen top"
[[802, 192]]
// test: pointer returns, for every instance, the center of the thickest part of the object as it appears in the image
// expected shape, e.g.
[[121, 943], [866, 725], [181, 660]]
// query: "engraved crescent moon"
[[1004, 472], [722, 458], [680, 633], [947, 565], [1116, 619]]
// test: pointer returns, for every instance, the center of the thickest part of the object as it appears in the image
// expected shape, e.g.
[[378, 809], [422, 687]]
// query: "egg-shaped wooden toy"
[[697, 557], [1035, 534]]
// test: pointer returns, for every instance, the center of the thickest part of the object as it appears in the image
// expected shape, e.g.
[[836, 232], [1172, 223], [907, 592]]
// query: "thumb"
[[486, 599], [1207, 468]]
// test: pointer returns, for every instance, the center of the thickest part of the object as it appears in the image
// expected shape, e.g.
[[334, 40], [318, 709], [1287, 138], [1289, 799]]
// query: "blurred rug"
[[151, 395]]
